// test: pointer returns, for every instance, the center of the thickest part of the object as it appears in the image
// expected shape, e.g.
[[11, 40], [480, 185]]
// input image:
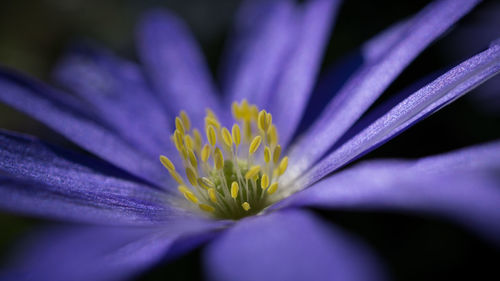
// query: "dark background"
[[34, 33]]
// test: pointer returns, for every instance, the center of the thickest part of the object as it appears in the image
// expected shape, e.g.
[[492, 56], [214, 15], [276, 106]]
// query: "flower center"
[[234, 173]]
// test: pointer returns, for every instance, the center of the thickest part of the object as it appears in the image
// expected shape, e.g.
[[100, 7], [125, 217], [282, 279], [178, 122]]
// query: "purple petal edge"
[[273, 247], [442, 91], [175, 65], [99, 253], [386, 57], [295, 84], [62, 114], [462, 186], [45, 181]]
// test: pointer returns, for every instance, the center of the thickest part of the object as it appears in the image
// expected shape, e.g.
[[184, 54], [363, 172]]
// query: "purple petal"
[[295, 83], [262, 40], [62, 114], [386, 57], [289, 245], [119, 92], [448, 87], [462, 186], [175, 65], [48, 182], [98, 253]]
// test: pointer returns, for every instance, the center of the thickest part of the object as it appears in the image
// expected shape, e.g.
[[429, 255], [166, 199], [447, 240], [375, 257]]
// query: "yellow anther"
[[183, 189], [192, 158], [254, 145], [264, 181], [184, 153], [245, 206], [272, 189], [211, 135], [247, 127], [234, 189], [262, 121], [210, 113], [253, 171], [188, 140], [277, 154], [254, 112], [197, 139], [235, 108], [283, 165], [218, 159], [191, 197], [211, 194], [185, 120], [179, 126], [188, 194], [273, 135], [226, 137], [191, 175], [205, 183], [167, 163], [176, 176], [178, 140], [244, 107], [267, 154], [269, 119], [236, 134], [209, 121], [205, 153], [206, 208]]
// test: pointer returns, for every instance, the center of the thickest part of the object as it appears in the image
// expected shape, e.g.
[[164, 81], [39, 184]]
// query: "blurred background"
[[33, 34]]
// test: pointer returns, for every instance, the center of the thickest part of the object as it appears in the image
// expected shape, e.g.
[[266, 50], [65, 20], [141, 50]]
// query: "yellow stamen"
[[206, 208], [263, 121], [192, 158], [273, 135], [211, 135], [197, 139], [205, 153], [185, 120], [210, 113], [218, 159], [211, 194], [178, 140], [205, 183], [210, 121], [167, 163], [283, 165], [272, 189], [236, 134], [247, 127], [264, 181], [188, 140], [235, 108], [254, 170], [176, 176], [226, 137], [179, 126], [245, 206], [254, 112], [188, 194], [234, 189], [267, 154], [276, 154], [191, 175], [254, 145]]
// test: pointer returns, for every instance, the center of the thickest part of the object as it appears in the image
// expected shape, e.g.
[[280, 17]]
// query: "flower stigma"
[[235, 172]]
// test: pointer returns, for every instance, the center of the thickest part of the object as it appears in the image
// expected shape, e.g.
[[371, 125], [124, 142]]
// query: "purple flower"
[[128, 212]]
